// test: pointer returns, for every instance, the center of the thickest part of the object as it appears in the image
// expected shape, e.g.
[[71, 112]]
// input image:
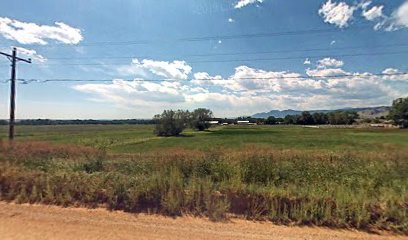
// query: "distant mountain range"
[[368, 112]]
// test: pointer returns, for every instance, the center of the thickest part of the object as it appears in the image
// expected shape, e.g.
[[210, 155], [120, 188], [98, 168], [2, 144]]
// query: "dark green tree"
[[306, 118], [271, 120], [291, 119], [199, 119], [320, 118], [399, 112]]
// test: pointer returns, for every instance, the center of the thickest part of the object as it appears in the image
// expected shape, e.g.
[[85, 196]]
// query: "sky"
[[122, 59]]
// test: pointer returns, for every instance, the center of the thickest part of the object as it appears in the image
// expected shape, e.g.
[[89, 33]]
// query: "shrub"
[[171, 123]]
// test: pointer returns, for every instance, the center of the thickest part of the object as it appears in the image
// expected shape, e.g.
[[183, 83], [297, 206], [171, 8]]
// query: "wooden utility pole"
[[13, 59]]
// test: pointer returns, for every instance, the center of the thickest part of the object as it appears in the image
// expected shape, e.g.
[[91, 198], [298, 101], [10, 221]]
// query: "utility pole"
[[13, 59]]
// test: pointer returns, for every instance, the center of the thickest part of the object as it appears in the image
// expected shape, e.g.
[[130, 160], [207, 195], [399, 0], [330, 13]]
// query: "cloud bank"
[[250, 90]]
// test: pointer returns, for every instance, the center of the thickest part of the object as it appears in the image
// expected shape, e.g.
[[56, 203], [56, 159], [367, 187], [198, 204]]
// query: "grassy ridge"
[[360, 189]]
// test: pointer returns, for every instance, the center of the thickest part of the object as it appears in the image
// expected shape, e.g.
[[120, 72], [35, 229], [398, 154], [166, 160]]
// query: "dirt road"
[[48, 222]]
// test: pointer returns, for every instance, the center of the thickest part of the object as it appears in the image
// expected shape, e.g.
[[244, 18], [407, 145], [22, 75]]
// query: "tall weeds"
[[338, 189]]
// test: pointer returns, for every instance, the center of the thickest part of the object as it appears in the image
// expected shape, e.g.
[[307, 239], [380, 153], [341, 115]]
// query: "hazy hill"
[[368, 112]]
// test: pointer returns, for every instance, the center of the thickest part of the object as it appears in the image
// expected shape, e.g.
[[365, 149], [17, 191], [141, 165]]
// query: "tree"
[[342, 117], [320, 118], [399, 112], [271, 120], [306, 118], [291, 119], [200, 118], [171, 123]]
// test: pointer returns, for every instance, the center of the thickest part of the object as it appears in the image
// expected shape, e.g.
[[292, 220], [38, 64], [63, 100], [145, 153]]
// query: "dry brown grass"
[[21, 150]]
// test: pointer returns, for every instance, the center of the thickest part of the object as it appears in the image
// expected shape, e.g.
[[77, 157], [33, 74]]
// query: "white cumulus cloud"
[[329, 62], [32, 33], [204, 78], [395, 74], [373, 13], [325, 72], [401, 15], [174, 70], [243, 3], [28, 53], [397, 20], [335, 13], [260, 81]]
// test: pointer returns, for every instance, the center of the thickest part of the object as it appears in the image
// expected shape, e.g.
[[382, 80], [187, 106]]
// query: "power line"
[[302, 57], [238, 60], [206, 38], [234, 53], [26, 81]]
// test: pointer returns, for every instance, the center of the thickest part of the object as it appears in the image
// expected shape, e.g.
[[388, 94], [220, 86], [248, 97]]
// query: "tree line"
[[172, 123], [318, 118]]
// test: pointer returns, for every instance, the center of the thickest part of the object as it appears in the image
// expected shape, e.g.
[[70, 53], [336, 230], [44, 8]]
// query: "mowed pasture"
[[344, 178]]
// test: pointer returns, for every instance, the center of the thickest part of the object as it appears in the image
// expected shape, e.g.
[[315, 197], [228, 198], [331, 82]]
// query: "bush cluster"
[[172, 123]]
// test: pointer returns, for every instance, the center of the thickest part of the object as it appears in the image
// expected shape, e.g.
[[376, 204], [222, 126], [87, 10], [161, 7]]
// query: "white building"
[[244, 122]]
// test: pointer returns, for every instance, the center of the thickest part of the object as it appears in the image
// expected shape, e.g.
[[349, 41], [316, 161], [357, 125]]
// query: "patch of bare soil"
[[30, 222]]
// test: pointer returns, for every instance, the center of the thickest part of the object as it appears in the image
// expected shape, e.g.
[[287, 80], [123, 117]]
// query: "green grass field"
[[140, 138], [286, 174]]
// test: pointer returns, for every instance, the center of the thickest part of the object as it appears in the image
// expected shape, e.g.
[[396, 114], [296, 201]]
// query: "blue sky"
[[236, 57]]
